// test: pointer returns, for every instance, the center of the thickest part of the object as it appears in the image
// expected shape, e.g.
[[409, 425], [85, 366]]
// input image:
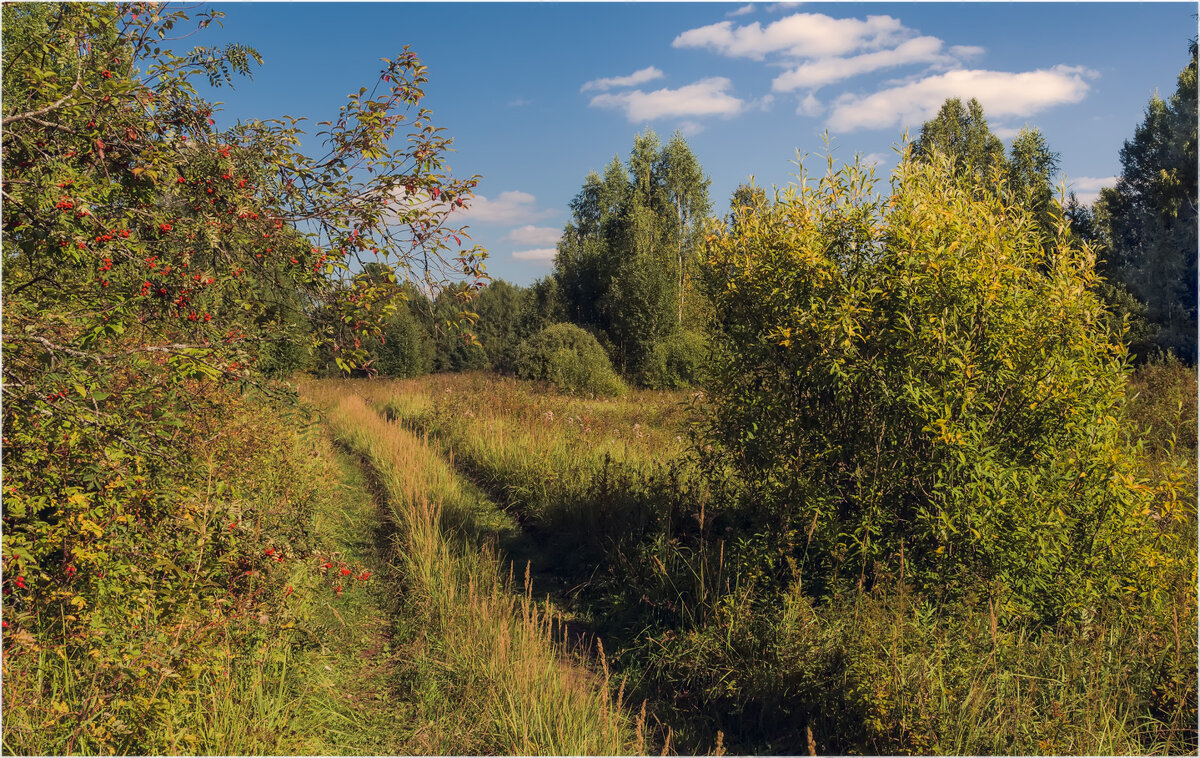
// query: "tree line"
[[629, 259]]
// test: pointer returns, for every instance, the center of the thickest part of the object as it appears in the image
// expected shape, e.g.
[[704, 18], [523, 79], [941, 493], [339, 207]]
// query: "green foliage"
[[156, 267], [1148, 221], [569, 359], [676, 362], [920, 386], [627, 262], [962, 133], [405, 348], [502, 324], [454, 349]]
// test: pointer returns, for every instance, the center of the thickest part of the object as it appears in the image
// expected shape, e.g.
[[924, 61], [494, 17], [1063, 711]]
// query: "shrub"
[[676, 362], [570, 359], [919, 385], [406, 349]]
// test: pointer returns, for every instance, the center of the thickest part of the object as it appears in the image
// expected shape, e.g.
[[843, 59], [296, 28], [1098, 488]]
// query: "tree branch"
[[51, 106]]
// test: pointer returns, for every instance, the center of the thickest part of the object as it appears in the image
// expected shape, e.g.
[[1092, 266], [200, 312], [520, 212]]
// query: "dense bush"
[[919, 386], [676, 362], [405, 348], [155, 268], [569, 359]]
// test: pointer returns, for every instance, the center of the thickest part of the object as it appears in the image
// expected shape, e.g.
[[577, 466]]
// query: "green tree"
[[746, 200], [961, 132], [1148, 221], [454, 349], [151, 260], [919, 385], [501, 327], [1030, 170], [628, 258], [405, 348]]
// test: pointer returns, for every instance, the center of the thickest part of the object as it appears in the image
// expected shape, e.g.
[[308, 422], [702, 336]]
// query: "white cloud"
[[509, 208], [763, 103], [690, 128], [741, 11], [1087, 188], [540, 255], [1001, 94], [648, 74], [803, 35], [707, 97], [966, 51], [535, 235], [1006, 132], [822, 71], [876, 159], [810, 106]]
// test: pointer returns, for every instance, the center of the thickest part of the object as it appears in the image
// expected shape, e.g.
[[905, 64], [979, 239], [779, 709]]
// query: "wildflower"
[[364, 576], [345, 571], [270, 551]]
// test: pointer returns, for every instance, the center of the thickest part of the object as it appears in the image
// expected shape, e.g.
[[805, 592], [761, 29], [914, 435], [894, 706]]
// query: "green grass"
[[484, 669], [727, 653]]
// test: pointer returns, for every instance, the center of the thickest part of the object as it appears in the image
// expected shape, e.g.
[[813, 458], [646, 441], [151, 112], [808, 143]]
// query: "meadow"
[[844, 470], [603, 507]]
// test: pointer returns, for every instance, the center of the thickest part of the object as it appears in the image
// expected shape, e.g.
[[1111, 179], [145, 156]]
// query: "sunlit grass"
[[488, 673]]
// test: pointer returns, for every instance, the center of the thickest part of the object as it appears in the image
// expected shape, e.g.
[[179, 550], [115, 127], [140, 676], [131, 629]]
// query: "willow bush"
[[920, 386]]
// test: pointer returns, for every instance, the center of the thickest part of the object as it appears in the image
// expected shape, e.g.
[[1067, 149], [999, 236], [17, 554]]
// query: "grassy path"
[[353, 665], [481, 667]]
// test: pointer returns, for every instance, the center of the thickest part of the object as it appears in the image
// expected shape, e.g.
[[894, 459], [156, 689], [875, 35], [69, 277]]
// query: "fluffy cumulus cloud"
[[816, 51], [509, 208], [810, 106], [1001, 94], [801, 35], [539, 255], [648, 74], [707, 97], [1087, 188], [535, 235], [741, 11], [822, 71]]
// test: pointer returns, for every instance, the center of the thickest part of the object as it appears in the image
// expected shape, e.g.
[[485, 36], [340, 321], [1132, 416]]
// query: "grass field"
[[473, 564], [633, 545]]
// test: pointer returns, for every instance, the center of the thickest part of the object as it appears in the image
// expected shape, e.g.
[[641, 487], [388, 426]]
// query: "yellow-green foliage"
[[570, 360], [919, 383], [492, 678], [725, 649], [127, 643]]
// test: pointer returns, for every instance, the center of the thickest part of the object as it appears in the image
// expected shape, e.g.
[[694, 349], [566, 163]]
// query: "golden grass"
[[495, 680]]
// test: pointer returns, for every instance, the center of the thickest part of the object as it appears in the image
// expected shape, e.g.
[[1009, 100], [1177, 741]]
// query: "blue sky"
[[536, 95]]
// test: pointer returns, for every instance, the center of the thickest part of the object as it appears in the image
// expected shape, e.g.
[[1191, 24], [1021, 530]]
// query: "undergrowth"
[[732, 646], [487, 666]]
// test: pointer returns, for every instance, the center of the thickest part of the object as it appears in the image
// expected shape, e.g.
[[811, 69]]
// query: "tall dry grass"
[[487, 670]]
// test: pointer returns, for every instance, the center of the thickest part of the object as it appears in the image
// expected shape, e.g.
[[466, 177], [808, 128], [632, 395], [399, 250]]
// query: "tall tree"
[[961, 132], [686, 193], [1030, 171], [628, 256], [1148, 220]]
